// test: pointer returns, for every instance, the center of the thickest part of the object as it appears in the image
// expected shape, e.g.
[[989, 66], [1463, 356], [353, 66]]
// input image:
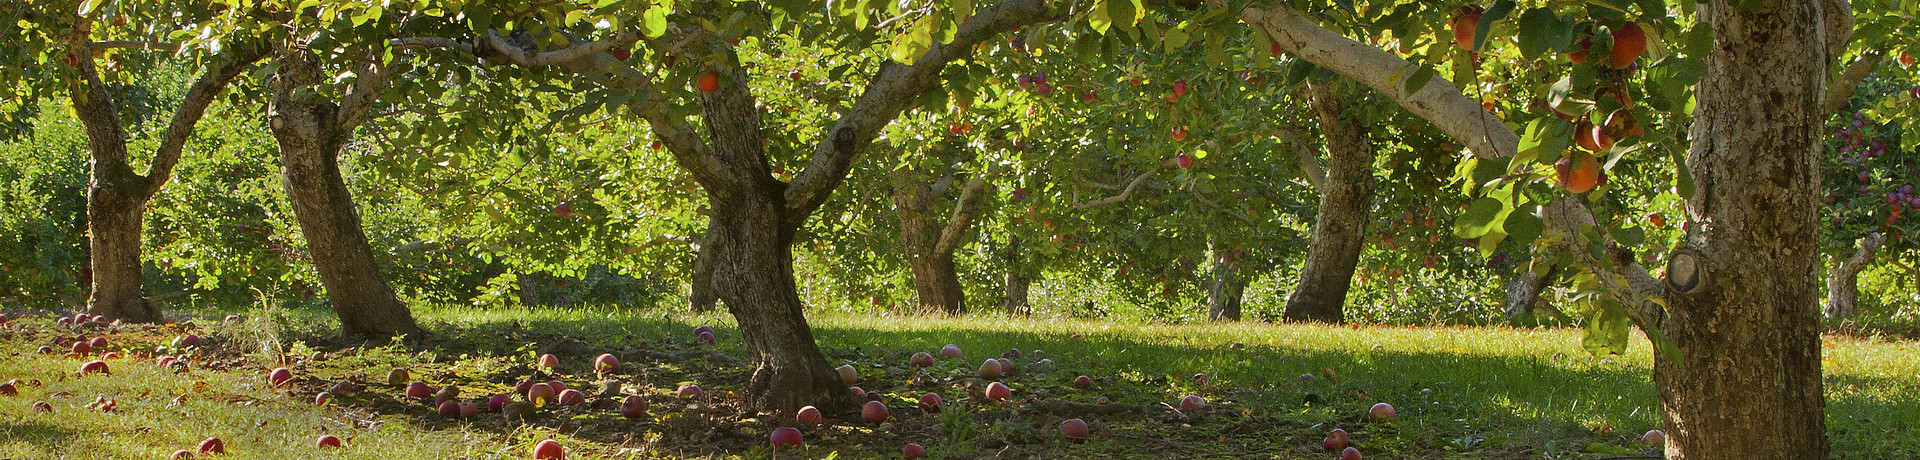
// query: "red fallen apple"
[[706, 329], [181, 454], [1193, 402], [1075, 429], [98, 343], [549, 362], [912, 450], [540, 393], [931, 403], [1180, 88], [1006, 366], [82, 348], [572, 398], [1350, 454], [1335, 441], [1179, 133], [1083, 382], [449, 410], [709, 82], [874, 412], [847, 373], [990, 369], [212, 446], [548, 449], [950, 351], [921, 359], [94, 366], [807, 416], [1011, 353], [344, 388], [1183, 160], [322, 399], [498, 401], [1381, 412], [706, 337], [622, 54], [997, 391], [873, 396], [606, 363], [557, 386], [419, 390], [1629, 42], [469, 410], [633, 407], [447, 393], [81, 318], [188, 340], [8, 389], [326, 441], [42, 406], [1202, 379], [397, 377], [690, 391], [857, 392], [280, 377], [1654, 438], [785, 437]]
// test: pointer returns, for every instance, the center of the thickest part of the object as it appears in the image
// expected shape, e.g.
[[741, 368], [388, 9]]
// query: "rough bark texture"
[[701, 294], [1749, 385], [1018, 281], [930, 243], [1226, 285], [1843, 281], [1339, 230], [1523, 293], [310, 134], [117, 196]]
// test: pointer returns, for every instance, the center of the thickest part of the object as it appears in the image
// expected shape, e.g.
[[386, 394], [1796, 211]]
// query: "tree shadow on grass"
[[43, 437]]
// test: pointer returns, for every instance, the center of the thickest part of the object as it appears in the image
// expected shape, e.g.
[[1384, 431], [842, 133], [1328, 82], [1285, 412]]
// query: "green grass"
[[1496, 392]]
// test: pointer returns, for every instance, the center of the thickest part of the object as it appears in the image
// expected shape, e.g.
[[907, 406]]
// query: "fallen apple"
[[449, 410], [82, 348], [498, 401], [181, 454], [785, 437], [690, 391], [989, 369], [469, 410], [1654, 438], [322, 399], [950, 351], [41, 406], [212, 446], [1075, 429], [94, 366], [874, 412], [1083, 382], [1336, 440], [548, 449], [549, 363], [921, 359], [807, 416], [931, 403], [397, 377], [98, 343], [1381, 412], [280, 377], [606, 364], [997, 391], [1350, 454], [848, 374], [1193, 403], [633, 407], [540, 394], [572, 397], [326, 441], [912, 450], [419, 390], [706, 337]]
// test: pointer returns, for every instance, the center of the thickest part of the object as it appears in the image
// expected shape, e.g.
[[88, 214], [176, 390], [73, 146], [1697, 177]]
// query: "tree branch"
[[892, 89], [201, 94], [1842, 86], [1131, 186], [146, 45], [1309, 162], [1439, 102], [356, 106], [962, 215], [1566, 221]]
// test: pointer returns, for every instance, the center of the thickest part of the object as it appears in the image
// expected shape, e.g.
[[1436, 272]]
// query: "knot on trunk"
[[1686, 271]]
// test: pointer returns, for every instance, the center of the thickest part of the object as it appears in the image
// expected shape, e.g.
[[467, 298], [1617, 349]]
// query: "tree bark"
[[929, 243], [701, 294], [1339, 231], [1523, 293], [1226, 285], [310, 134], [1843, 281], [117, 196], [1743, 297], [1018, 281]]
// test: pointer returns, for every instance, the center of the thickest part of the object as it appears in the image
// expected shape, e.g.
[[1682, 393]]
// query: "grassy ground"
[[1460, 393]]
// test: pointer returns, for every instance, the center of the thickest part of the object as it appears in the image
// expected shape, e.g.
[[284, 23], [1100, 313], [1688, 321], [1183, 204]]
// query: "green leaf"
[[1663, 347], [87, 6], [655, 23], [1682, 177], [1524, 225], [1606, 328], [908, 47], [1536, 25], [1099, 19], [1481, 217], [1175, 39], [1545, 141], [961, 8], [1499, 10], [1419, 79]]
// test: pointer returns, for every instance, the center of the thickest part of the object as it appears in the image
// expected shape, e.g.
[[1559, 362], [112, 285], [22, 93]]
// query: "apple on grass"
[[1350, 454], [212, 446], [548, 449], [93, 367], [785, 437], [1336, 440], [950, 351], [1075, 429], [848, 374], [807, 416], [572, 397], [1654, 438], [930, 403], [549, 363], [874, 412], [322, 399], [921, 359], [1193, 403], [280, 377], [9, 389], [997, 391], [1381, 412], [397, 377], [1083, 382], [181, 454], [690, 391], [449, 410], [633, 407], [419, 390], [540, 394], [469, 410], [327, 441], [990, 369], [606, 364], [913, 450]]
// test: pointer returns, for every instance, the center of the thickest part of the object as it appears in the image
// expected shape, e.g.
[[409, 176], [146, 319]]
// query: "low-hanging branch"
[[1124, 193]]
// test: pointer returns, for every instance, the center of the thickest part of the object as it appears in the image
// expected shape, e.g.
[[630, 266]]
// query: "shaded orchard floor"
[[1460, 392]]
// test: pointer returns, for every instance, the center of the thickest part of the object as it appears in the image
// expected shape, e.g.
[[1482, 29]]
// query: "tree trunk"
[[117, 196], [1523, 293], [929, 243], [1843, 282], [1743, 300], [1018, 281], [1339, 231], [700, 294], [310, 134], [1226, 285]]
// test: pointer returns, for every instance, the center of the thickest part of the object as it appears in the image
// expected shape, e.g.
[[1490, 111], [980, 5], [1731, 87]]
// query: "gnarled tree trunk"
[[1843, 281], [310, 134], [1226, 284], [1742, 300], [1523, 293], [117, 196], [701, 294], [1339, 230], [929, 243]]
